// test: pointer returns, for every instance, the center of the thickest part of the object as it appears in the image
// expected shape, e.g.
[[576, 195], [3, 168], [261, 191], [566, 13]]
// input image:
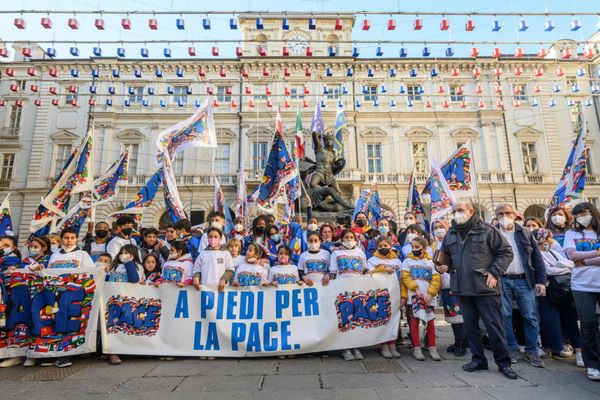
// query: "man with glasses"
[[477, 255]]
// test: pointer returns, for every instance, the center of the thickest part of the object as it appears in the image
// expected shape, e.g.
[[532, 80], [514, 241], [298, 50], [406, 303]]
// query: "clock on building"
[[297, 44]]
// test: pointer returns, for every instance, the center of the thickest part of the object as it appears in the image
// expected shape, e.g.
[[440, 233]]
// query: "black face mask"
[[361, 222], [126, 231], [101, 233], [417, 253], [259, 230], [384, 252]]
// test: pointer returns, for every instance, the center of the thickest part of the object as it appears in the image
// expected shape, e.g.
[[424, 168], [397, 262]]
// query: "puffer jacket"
[[484, 250]]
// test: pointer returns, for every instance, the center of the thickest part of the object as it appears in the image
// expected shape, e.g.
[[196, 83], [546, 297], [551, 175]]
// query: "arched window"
[[164, 221], [535, 210]]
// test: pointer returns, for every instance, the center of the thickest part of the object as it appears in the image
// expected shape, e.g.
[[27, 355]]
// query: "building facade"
[[400, 112]]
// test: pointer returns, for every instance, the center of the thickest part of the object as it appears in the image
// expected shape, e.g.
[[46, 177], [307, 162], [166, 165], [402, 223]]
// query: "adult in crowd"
[[558, 316], [477, 256], [122, 237], [524, 278], [98, 243], [559, 221], [582, 245]]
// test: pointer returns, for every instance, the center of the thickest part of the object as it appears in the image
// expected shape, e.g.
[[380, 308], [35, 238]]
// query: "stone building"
[[520, 148]]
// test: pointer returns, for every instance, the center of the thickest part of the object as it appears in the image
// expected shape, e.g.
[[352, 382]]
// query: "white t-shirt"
[[421, 271], [346, 262], [212, 264], [375, 262], [237, 261], [584, 279], [96, 250], [314, 264], [250, 274], [516, 266], [119, 274], [284, 274], [116, 243], [74, 259], [178, 271]]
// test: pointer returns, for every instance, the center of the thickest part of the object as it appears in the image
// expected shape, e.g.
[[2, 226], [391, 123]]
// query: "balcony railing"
[[4, 183], [10, 131], [592, 179], [535, 178]]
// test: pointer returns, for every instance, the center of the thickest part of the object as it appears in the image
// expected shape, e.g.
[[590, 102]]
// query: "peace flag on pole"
[[338, 138], [146, 194], [459, 172], [106, 187], [196, 131], [368, 203], [442, 199], [172, 200], [572, 182], [414, 204], [219, 200]]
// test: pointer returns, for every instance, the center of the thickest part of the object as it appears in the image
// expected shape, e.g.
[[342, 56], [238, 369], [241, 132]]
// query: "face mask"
[[349, 244], [69, 249], [276, 238], [124, 258], [313, 227], [283, 260], [172, 256], [217, 224], [313, 247], [34, 252], [54, 247], [101, 264], [126, 231], [410, 237], [417, 253], [251, 260], [238, 227], [361, 223], [259, 230], [101, 233], [584, 220], [384, 252], [408, 222], [460, 218], [384, 230], [6, 251], [506, 222], [558, 220], [213, 242], [439, 233]]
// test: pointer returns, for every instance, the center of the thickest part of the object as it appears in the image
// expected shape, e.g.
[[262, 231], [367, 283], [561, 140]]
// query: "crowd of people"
[[515, 285]]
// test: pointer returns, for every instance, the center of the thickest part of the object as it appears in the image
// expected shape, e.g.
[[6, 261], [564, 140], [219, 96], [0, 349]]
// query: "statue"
[[323, 189]]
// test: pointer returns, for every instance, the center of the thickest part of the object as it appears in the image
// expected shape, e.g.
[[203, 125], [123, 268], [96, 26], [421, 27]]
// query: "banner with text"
[[252, 321], [51, 314]]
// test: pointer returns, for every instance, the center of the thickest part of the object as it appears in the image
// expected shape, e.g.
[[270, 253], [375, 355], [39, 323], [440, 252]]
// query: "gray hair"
[[505, 205]]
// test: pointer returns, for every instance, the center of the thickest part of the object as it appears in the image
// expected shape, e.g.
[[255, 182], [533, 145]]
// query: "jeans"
[[488, 309], [525, 298], [586, 307], [558, 323]]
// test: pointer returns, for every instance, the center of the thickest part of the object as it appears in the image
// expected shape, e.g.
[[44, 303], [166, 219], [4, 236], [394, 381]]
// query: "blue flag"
[[572, 181], [279, 170], [415, 205], [368, 203], [144, 197], [6, 226], [297, 243], [338, 139]]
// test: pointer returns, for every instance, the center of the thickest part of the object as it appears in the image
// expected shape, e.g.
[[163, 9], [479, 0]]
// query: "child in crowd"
[[54, 239], [347, 261], [234, 245], [152, 270], [273, 242], [414, 231], [126, 267], [385, 260], [251, 272], [39, 254], [104, 261], [313, 265], [214, 266], [283, 273], [239, 229], [420, 286], [178, 269]]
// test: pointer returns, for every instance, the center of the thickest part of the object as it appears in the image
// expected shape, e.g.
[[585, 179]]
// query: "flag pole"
[[91, 172], [475, 175], [128, 175]]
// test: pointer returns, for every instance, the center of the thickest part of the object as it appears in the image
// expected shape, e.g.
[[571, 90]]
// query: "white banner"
[[250, 322], [52, 315]]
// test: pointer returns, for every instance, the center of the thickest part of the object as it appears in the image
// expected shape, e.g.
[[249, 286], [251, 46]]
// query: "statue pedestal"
[[329, 216]]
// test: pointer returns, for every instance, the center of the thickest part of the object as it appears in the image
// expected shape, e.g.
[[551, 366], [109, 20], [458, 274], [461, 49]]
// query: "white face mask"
[[54, 248], [101, 264], [313, 227], [69, 249], [584, 220], [349, 244], [506, 223], [125, 258], [217, 224], [314, 246], [439, 233], [558, 220], [460, 218], [410, 237], [238, 227], [408, 222]]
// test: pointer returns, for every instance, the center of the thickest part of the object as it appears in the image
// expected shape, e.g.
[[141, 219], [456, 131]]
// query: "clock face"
[[297, 44]]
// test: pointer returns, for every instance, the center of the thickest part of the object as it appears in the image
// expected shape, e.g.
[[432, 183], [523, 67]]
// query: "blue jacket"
[[531, 257]]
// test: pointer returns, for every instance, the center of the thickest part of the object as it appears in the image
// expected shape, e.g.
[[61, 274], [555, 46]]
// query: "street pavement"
[[329, 378]]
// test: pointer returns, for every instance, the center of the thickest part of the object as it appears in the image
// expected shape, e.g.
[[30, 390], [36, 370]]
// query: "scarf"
[[391, 255]]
